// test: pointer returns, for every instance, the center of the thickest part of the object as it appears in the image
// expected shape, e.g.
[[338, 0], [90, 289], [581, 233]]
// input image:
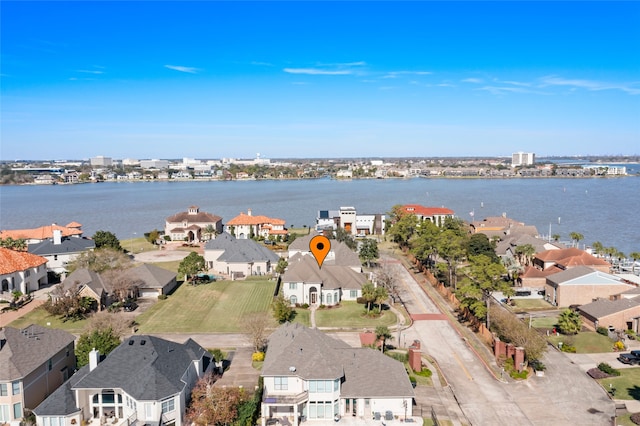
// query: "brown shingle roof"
[[604, 307]]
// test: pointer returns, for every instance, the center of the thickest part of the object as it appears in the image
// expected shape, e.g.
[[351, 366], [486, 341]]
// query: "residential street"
[[565, 396]]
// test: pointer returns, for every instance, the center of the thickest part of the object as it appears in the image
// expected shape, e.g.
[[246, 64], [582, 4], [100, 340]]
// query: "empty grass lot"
[[627, 385], [350, 315], [215, 307]]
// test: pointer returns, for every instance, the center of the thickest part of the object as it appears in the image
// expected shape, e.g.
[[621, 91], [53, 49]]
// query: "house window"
[[4, 413], [27, 273], [293, 299], [148, 410], [168, 406], [15, 388], [329, 299], [3, 389], [353, 294], [281, 383], [50, 364], [17, 410], [293, 286]]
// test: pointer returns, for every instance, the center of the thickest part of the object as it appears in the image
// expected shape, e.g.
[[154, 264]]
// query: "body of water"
[[602, 209]]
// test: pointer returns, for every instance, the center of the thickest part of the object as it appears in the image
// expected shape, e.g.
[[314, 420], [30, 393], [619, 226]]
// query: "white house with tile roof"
[[144, 381], [244, 226], [34, 362], [309, 375], [21, 271], [191, 225]]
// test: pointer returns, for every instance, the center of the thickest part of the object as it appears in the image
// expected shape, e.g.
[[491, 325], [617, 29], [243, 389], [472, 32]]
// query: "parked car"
[[629, 358], [130, 306]]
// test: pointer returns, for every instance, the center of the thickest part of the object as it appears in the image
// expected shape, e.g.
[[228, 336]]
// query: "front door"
[[313, 296]]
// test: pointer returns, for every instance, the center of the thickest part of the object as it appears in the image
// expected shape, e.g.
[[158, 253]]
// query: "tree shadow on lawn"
[[634, 392]]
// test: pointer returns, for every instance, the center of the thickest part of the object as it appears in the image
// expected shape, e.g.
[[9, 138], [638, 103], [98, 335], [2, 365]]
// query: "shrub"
[[398, 356], [618, 346], [603, 331], [360, 301], [635, 418], [322, 307], [305, 306], [217, 354], [521, 375], [257, 356], [569, 349], [424, 373], [537, 365], [606, 368], [162, 297]]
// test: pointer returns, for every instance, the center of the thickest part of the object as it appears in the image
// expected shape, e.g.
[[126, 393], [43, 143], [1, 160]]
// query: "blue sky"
[[318, 79]]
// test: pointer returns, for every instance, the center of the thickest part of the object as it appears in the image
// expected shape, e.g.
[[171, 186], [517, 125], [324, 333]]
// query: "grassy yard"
[[41, 317], [544, 322], [627, 385], [585, 342], [531, 305], [303, 316], [350, 315], [136, 245], [214, 307], [169, 266]]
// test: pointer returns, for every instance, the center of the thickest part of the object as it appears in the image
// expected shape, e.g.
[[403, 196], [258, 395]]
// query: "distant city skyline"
[[318, 79]]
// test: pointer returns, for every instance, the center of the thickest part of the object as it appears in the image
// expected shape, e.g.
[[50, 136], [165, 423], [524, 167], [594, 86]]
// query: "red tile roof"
[[571, 257], [426, 211], [42, 233], [14, 261], [246, 219]]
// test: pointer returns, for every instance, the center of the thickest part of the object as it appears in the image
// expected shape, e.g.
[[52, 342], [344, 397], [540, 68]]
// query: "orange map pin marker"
[[320, 246]]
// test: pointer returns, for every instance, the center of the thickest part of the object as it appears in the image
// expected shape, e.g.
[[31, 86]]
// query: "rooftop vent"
[[130, 342], [142, 342]]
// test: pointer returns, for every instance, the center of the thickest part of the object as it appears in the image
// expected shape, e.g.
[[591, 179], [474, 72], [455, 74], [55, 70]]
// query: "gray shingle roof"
[[84, 276], [24, 350], [604, 307], [152, 276], [147, 371], [317, 356], [240, 250], [570, 274], [344, 256], [304, 268], [66, 246]]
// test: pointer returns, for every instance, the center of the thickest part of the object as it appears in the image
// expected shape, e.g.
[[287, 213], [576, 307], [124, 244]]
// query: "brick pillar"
[[511, 350], [519, 358], [415, 359]]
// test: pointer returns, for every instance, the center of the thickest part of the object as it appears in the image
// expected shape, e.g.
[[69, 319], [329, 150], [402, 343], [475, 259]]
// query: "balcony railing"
[[285, 399]]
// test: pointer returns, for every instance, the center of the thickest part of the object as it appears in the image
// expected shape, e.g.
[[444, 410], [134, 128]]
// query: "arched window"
[[293, 300]]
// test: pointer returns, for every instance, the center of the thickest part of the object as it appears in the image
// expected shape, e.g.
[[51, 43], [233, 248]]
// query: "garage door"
[[148, 293]]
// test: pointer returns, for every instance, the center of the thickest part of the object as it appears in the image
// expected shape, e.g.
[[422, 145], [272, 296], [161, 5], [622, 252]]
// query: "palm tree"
[[556, 237], [383, 333], [210, 230], [635, 256], [569, 322], [525, 252], [577, 237], [597, 247]]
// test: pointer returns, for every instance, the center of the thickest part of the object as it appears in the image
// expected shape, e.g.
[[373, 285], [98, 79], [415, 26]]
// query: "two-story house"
[[59, 250], [192, 225], [247, 225], [238, 257], [145, 380], [309, 375], [34, 362]]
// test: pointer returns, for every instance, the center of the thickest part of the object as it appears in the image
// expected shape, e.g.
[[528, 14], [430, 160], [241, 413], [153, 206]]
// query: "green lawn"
[[544, 322], [303, 316], [625, 420], [627, 385], [350, 315], [214, 307], [136, 245], [585, 342], [41, 317]]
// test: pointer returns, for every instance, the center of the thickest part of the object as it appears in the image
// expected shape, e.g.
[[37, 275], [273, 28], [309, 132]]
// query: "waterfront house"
[[309, 375], [146, 381], [351, 221], [436, 215], [236, 257], [43, 233], [305, 282], [247, 225], [339, 253], [59, 250], [192, 225], [34, 362], [21, 271], [580, 285]]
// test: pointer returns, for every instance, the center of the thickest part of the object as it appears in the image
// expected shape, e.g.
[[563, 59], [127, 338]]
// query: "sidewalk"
[[39, 297]]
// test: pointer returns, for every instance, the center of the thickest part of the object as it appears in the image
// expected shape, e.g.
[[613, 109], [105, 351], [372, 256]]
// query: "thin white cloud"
[[316, 71], [262, 64], [592, 85], [396, 74], [515, 83], [180, 68], [501, 90], [90, 71], [473, 80]]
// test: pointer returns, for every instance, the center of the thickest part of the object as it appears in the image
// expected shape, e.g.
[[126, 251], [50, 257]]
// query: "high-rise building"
[[101, 161], [523, 159]]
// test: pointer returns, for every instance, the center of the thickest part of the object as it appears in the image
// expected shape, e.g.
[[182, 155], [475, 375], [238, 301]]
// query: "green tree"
[[214, 405], [556, 237], [368, 251], [383, 334], [525, 254], [577, 237], [368, 295], [403, 229], [19, 244], [210, 231], [106, 239], [104, 341], [282, 310], [344, 237], [153, 236], [481, 278], [569, 322], [282, 265], [479, 244], [598, 247], [451, 248], [191, 265], [101, 260]]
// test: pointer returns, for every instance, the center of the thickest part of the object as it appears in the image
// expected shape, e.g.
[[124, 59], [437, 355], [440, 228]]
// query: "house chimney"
[[248, 212], [57, 237], [94, 359]]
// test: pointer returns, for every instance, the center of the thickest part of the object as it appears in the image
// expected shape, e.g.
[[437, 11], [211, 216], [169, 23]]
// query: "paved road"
[[565, 396]]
